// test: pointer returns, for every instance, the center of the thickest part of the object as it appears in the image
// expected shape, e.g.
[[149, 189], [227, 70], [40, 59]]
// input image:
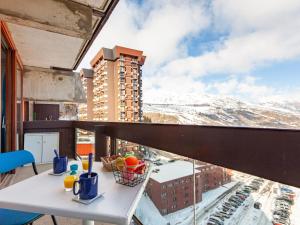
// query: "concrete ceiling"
[[45, 49], [56, 33], [100, 5]]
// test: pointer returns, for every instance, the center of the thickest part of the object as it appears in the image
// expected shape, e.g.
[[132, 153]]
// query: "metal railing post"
[[113, 146], [101, 143]]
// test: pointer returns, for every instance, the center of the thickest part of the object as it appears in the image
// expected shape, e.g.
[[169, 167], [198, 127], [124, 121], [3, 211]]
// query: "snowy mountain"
[[223, 111]]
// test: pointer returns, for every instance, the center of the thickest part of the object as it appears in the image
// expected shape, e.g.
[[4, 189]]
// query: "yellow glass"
[[69, 181], [85, 164]]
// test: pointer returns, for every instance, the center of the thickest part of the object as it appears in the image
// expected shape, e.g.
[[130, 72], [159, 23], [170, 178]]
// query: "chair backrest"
[[12, 160]]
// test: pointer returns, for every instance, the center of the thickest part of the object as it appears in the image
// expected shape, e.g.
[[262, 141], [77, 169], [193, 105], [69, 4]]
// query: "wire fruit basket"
[[129, 178]]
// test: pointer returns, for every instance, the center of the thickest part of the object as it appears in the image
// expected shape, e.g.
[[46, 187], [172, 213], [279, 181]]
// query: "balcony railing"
[[269, 153]]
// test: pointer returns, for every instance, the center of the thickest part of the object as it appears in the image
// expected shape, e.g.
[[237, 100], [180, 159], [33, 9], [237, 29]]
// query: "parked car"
[[242, 197], [224, 214], [228, 209], [243, 193], [229, 205], [233, 201], [257, 205], [282, 213], [286, 199], [216, 220], [218, 216], [247, 190], [237, 198]]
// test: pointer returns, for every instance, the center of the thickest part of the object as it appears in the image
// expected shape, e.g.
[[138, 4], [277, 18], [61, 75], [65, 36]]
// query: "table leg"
[[88, 222]]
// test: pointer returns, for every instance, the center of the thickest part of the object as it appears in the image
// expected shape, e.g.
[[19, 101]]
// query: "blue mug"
[[88, 186], [60, 164]]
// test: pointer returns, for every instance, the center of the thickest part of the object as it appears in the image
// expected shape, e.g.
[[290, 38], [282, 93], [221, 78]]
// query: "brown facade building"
[[171, 189], [85, 110], [117, 85]]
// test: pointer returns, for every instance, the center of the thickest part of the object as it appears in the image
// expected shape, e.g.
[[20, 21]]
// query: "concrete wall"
[[52, 85]]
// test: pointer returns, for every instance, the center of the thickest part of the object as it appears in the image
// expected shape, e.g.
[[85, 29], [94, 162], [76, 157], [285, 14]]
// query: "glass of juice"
[[69, 181], [85, 164]]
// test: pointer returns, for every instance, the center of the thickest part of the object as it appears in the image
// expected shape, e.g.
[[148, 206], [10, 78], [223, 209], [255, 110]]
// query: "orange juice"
[[69, 181], [85, 164]]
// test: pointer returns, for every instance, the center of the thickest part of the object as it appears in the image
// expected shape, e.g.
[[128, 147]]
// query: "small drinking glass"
[[69, 181], [85, 163]]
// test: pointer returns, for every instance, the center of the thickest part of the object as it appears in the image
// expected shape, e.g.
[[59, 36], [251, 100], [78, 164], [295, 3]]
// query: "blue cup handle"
[[74, 188]]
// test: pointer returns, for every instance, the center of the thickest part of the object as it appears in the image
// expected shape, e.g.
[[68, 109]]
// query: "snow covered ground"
[[148, 213], [248, 215], [245, 214]]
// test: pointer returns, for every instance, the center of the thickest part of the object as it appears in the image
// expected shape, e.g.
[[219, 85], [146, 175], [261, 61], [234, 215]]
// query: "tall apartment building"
[[117, 84]]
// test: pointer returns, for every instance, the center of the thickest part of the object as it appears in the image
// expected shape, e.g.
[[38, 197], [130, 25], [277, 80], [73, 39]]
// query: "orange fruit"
[[131, 163]]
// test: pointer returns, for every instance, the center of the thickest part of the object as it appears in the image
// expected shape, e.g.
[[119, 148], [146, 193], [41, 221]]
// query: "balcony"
[[182, 176], [267, 153], [215, 145]]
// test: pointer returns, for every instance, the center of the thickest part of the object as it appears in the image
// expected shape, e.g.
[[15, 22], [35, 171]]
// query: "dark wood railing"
[[273, 154]]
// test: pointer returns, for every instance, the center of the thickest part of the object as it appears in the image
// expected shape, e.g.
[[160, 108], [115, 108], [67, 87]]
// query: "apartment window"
[[174, 206], [170, 185], [164, 186], [186, 202], [164, 211], [174, 199], [186, 195]]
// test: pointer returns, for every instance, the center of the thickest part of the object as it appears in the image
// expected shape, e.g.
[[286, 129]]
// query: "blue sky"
[[246, 49]]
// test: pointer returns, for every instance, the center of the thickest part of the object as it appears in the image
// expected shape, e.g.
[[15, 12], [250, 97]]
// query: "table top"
[[45, 194]]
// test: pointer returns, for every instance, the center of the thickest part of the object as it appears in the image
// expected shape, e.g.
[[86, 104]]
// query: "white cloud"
[[244, 87], [259, 33], [242, 16], [157, 27]]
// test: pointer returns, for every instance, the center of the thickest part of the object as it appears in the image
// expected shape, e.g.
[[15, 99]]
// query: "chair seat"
[[13, 217]]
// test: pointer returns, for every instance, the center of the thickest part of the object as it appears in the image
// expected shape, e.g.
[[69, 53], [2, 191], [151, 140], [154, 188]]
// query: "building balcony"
[[177, 152], [256, 151]]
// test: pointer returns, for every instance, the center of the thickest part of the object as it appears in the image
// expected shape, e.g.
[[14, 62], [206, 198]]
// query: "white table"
[[45, 194]]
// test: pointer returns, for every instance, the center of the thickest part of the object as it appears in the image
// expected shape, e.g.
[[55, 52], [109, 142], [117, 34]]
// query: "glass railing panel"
[[85, 142], [222, 196], [170, 188]]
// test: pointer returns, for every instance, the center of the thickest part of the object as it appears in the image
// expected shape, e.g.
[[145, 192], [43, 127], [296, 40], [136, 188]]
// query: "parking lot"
[[225, 213]]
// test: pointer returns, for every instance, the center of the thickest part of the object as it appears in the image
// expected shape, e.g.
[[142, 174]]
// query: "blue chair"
[[10, 161]]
